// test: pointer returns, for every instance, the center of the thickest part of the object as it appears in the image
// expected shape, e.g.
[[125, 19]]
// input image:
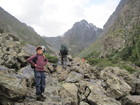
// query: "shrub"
[[52, 59]]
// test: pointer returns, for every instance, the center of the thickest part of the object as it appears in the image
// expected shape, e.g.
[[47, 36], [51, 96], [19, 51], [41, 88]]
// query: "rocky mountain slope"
[[79, 84], [120, 35], [8, 23], [78, 37]]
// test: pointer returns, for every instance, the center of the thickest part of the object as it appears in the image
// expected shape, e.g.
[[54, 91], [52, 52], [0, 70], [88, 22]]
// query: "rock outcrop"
[[11, 53], [131, 100], [12, 86]]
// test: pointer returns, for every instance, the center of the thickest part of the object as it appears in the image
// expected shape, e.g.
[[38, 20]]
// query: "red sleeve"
[[30, 60]]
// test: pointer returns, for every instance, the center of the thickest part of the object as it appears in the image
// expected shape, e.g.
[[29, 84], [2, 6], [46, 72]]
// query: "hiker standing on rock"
[[38, 62], [63, 53]]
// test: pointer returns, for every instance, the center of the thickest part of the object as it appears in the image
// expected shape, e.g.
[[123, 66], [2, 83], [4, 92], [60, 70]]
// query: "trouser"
[[40, 81], [63, 59]]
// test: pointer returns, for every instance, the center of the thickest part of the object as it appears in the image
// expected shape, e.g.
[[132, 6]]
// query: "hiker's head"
[[39, 50]]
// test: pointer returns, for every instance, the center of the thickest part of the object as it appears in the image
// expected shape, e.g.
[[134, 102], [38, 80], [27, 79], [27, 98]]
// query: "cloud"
[[54, 17]]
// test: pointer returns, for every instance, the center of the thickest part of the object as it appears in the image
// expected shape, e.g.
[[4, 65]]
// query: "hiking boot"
[[43, 96], [39, 98]]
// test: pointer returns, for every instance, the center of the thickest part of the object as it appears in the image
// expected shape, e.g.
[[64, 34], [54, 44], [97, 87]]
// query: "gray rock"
[[97, 94], [3, 68], [115, 87], [74, 77], [131, 100], [11, 53], [11, 86], [56, 93], [30, 49], [136, 83], [28, 73], [70, 58]]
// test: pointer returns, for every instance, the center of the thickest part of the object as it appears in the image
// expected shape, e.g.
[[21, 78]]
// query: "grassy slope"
[[127, 58], [93, 47], [24, 32], [118, 25]]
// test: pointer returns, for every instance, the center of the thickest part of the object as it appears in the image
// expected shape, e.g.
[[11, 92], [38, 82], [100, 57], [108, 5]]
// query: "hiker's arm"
[[30, 60], [45, 61]]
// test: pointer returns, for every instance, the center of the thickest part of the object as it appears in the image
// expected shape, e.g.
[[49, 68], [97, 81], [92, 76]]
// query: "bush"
[[51, 59]]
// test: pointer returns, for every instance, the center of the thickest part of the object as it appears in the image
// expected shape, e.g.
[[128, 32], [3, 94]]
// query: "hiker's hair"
[[38, 48]]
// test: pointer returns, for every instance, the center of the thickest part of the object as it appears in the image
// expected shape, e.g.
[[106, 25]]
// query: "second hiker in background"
[[63, 53]]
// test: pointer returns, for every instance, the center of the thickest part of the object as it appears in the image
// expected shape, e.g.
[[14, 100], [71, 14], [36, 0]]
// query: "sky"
[[54, 17]]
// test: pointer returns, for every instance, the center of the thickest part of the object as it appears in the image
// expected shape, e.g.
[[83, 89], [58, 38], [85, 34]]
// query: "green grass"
[[94, 47], [51, 59], [128, 68], [105, 62]]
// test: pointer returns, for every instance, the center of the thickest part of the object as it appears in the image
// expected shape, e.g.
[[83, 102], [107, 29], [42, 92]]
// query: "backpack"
[[64, 50], [34, 60]]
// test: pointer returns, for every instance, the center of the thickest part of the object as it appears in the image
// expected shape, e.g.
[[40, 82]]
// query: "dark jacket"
[[41, 62]]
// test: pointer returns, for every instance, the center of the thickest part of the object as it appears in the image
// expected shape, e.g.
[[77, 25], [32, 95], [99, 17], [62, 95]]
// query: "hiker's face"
[[39, 51]]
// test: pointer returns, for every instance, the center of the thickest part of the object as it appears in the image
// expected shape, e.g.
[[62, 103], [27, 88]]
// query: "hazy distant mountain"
[[77, 38], [54, 42], [26, 33]]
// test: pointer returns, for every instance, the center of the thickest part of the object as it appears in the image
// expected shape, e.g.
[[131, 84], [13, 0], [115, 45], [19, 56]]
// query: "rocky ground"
[[79, 84]]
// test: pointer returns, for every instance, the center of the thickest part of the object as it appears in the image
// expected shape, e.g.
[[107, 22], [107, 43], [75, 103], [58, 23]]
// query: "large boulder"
[[70, 58], [28, 73], [12, 86], [59, 69], [56, 93], [11, 53], [115, 87], [132, 79], [136, 82], [62, 76], [81, 66], [79, 62], [97, 95], [84, 71], [74, 77], [131, 100], [72, 88]]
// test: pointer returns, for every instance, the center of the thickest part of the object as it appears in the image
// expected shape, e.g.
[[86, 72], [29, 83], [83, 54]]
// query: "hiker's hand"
[[35, 65]]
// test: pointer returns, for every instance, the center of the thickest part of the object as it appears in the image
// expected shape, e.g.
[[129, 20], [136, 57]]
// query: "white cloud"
[[54, 17]]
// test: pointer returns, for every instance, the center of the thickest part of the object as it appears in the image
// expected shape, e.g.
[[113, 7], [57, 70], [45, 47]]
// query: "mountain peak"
[[84, 24], [84, 21], [0, 8]]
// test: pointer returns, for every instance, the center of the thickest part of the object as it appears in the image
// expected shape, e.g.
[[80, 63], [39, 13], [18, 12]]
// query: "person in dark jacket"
[[39, 72], [63, 53]]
